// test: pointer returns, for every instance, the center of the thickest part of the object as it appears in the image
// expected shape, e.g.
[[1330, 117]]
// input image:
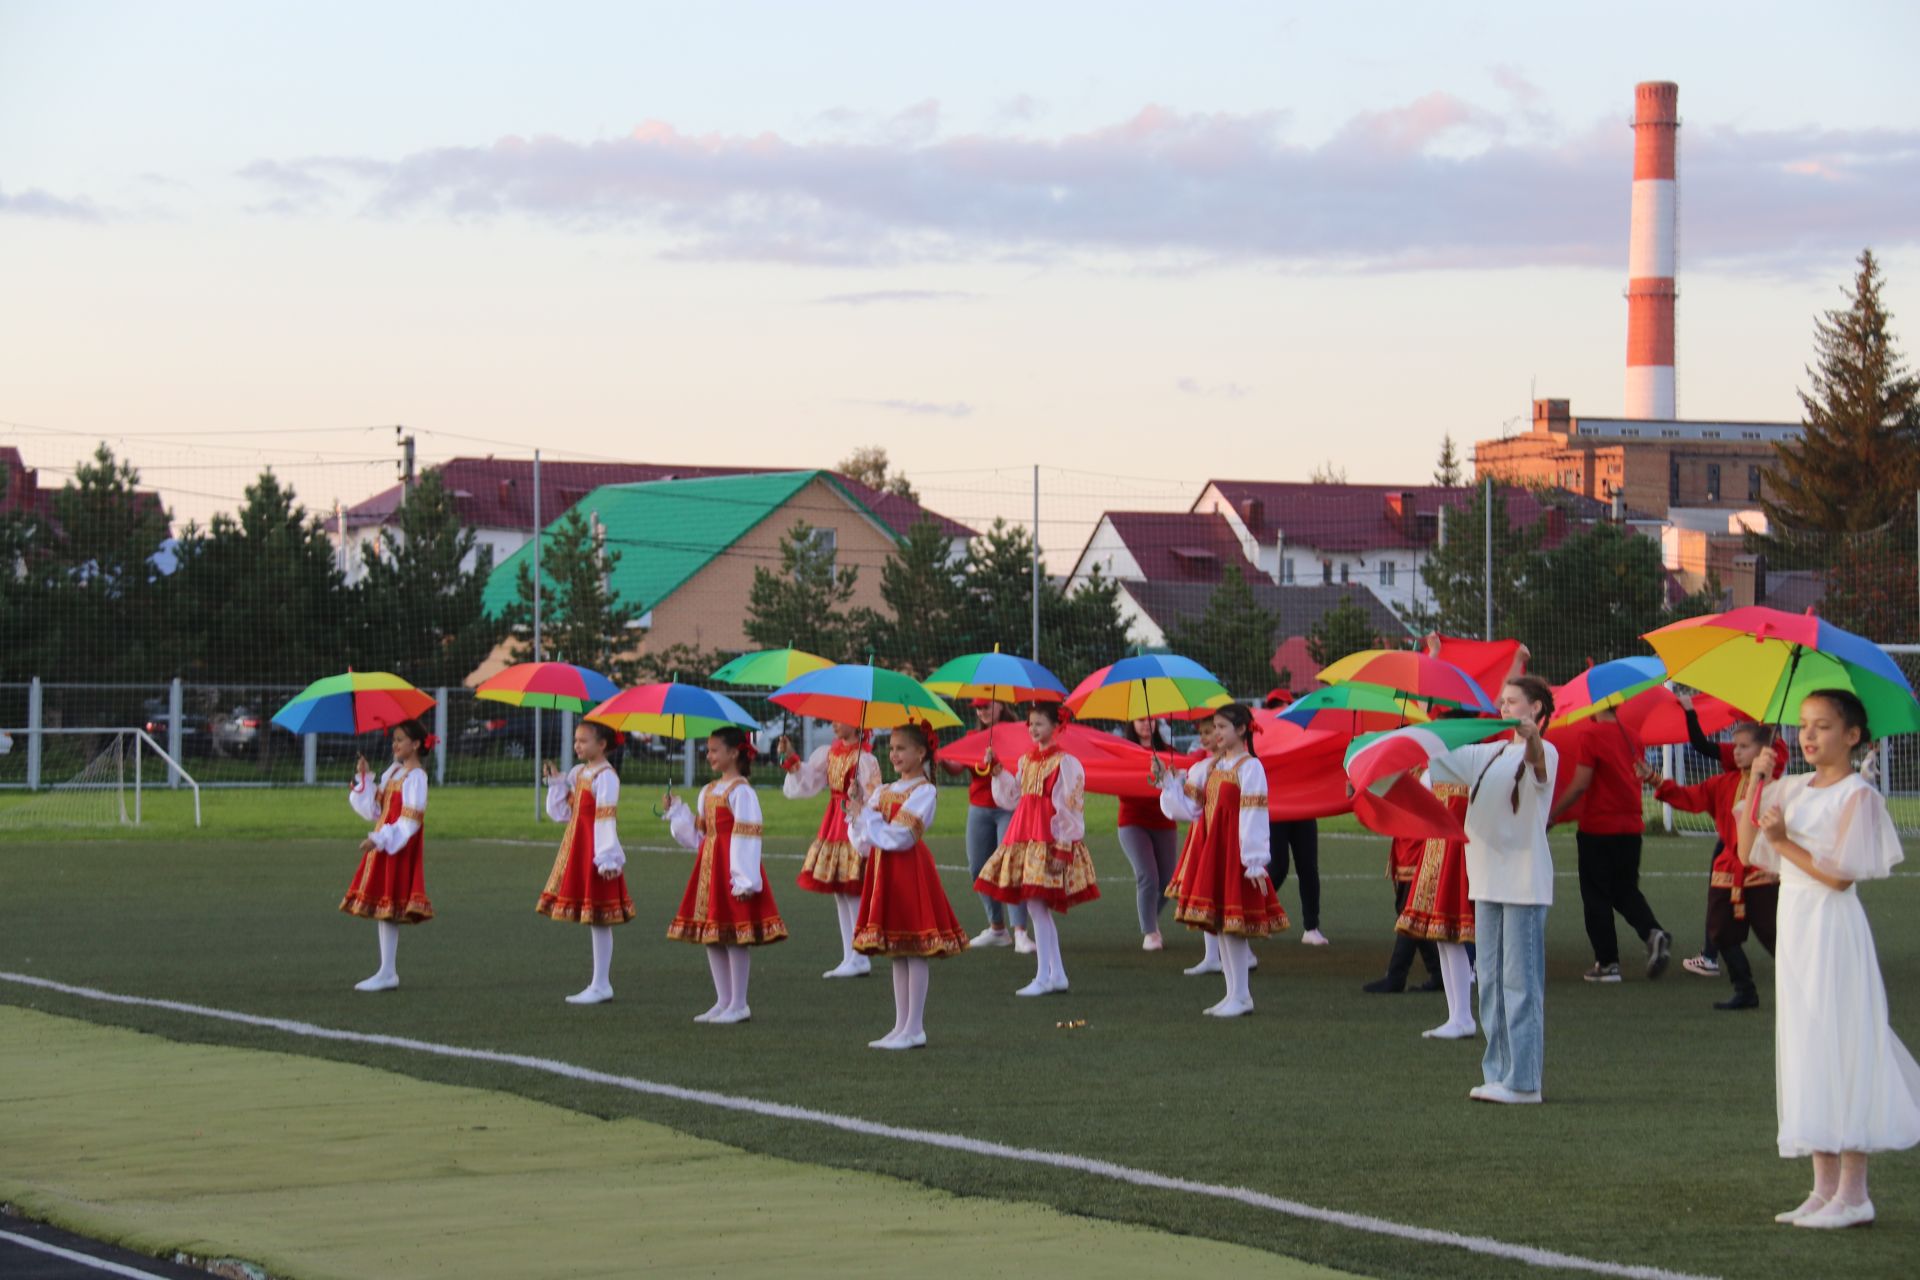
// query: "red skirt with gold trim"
[[1214, 894], [904, 909], [709, 913], [391, 886], [576, 893], [1438, 909]]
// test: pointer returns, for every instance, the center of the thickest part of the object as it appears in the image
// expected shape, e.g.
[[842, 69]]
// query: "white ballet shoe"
[[591, 995], [378, 982], [852, 967], [710, 1014], [1837, 1215], [1253, 961], [1449, 1031], [1811, 1205], [1038, 987], [885, 1041], [901, 1042], [1216, 1006], [726, 1017], [1022, 942], [1205, 966], [1232, 1008], [1152, 942]]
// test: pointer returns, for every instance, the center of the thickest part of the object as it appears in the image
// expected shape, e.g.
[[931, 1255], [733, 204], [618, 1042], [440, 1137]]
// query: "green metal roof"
[[666, 531]]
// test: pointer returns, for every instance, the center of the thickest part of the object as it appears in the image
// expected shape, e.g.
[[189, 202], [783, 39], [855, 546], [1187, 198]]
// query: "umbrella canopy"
[[1388, 798], [1414, 674], [1003, 677], [671, 710], [1767, 661], [1354, 708], [355, 702], [1148, 687], [770, 668], [866, 697], [555, 686], [1657, 719], [1606, 686]]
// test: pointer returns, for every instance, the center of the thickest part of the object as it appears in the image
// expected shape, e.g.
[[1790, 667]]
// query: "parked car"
[[234, 732], [195, 739], [499, 730]]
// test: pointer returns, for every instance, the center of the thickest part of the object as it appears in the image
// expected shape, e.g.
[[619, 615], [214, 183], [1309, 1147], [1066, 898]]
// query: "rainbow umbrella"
[[1606, 686], [769, 668], [864, 696], [1149, 687], [1765, 659], [1353, 708], [1414, 674], [671, 710], [356, 702], [1003, 677], [1387, 795], [554, 686]]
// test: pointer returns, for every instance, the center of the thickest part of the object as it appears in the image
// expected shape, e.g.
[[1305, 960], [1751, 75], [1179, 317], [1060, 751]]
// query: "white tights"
[[1456, 974], [909, 996], [389, 947], [602, 956], [847, 907], [1236, 959], [731, 968], [1046, 945]]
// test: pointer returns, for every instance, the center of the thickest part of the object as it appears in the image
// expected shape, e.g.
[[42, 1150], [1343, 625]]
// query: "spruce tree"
[[1234, 638], [1344, 629], [1446, 472], [808, 602], [418, 609]]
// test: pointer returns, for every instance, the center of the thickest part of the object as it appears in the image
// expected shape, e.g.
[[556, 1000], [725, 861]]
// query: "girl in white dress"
[[1844, 1084]]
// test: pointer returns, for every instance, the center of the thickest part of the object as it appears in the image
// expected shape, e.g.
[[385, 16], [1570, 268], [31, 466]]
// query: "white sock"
[[1046, 939], [722, 978], [740, 964], [916, 967], [389, 947], [602, 935], [847, 908], [1456, 975]]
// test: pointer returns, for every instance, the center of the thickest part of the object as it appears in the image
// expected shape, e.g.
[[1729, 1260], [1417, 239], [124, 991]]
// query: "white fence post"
[[33, 734], [176, 700], [440, 732], [686, 779], [310, 757]]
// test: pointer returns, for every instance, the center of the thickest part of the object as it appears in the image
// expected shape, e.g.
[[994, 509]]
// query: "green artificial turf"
[[1655, 1148]]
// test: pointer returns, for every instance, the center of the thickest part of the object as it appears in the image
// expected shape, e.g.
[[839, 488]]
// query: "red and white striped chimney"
[[1650, 252]]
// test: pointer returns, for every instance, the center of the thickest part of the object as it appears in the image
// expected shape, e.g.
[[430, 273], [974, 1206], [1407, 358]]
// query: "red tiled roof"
[[497, 493], [1358, 517], [1179, 546], [23, 492]]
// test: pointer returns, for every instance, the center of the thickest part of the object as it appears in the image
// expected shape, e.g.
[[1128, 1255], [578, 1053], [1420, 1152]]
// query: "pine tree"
[[418, 611], [105, 596], [1857, 461], [1455, 572], [1590, 599], [925, 600], [582, 619], [807, 602], [1447, 473], [1234, 638], [1344, 629], [1081, 630], [999, 588]]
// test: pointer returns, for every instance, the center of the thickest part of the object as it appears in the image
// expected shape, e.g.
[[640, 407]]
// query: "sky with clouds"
[[1151, 240]]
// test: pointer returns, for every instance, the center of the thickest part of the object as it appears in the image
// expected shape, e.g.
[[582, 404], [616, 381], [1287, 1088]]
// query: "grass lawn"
[[1656, 1147]]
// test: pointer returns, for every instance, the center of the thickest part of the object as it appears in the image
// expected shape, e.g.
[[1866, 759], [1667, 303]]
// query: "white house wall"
[[1109, 552]]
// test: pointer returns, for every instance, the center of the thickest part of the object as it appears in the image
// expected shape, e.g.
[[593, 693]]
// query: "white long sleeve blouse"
[[1508, 859], [392, 837], [1184, 799], [607, 853], [688, 830], [909, 824], [811, 776]]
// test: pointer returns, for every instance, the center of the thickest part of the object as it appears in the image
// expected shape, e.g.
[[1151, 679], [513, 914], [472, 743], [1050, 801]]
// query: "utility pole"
[[1036, 564], [539, 655], [1486, 498], [402, 438]]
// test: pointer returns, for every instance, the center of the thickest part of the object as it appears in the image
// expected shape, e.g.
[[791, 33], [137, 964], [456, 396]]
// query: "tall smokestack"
[[1650, 252]]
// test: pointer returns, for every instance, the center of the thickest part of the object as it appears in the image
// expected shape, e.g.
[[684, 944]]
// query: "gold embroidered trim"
[[418, 815], [1252, 800], [748, 828], [1035, 773]]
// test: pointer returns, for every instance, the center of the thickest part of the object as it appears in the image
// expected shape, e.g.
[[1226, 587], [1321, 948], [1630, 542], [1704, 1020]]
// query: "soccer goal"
[[107, 788]]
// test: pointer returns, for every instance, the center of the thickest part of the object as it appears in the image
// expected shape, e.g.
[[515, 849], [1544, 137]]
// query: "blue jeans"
[[987, 831], [1512, 939]]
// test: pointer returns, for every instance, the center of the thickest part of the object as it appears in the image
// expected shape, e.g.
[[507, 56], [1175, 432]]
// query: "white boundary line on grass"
[[87, 1259], [1484, 1245]]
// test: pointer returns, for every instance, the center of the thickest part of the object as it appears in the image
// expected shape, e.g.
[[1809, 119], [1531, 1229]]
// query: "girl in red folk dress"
[[588, 883], [1439, 911], [390, 886], [832, 865], [1186, 808], [1043, 862], [1224, 888], [904, 912], [727, 907]]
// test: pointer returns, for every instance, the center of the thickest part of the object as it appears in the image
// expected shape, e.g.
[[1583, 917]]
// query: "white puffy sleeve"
[[560, 795], [607, 853], [1180, 792], [744, 852], [1255, 846], [1864, 844], [365, 795], [1069, 802], [909, 825], [1006, 786], [392, 837], [807, 777], [682, 825], [871, 779]]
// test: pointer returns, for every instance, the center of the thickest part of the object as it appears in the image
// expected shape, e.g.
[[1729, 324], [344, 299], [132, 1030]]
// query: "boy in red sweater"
[[1606, 787]]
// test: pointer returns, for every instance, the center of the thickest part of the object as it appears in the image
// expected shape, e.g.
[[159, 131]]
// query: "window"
[[825, 543], [1346, 573], [1326, 572], [1753, 484], [1386, 573], [1673, 479], [1286, 571], [1713, 482]]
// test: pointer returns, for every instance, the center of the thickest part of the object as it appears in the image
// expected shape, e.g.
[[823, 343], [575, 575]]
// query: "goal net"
[[93, 796]]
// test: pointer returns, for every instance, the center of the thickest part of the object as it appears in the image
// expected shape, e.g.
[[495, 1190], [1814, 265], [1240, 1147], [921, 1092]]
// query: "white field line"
[[1483, 1245], [85, 1259]]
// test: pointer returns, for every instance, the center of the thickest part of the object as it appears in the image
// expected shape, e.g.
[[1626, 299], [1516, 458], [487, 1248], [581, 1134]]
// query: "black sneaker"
[[1603, 973], [1385, 987], [1738, 1000], [1659, 952], [1433, 983]]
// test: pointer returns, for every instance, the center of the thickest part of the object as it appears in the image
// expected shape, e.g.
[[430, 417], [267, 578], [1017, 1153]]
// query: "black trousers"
[[1708, 951], [1298, 844], [1728, 932], [1610, 882], [1400, 963]]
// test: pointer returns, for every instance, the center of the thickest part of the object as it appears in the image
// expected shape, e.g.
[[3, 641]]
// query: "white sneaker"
[[1448, 1031], [591, 995], [1314, 938], [854, 967], [1205, 966], [1022, 942], [1153, 942], [901, 1042], [1038, 987], [1837, 1215], [729, 1016], [992, 937], [378, 982], [1232, 1008], [1500, 1093]]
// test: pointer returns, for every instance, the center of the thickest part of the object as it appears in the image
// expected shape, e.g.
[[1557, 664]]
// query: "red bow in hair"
[[431, 741], [748, 751]]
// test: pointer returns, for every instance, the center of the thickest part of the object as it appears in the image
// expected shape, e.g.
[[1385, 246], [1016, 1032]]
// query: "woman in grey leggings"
[[1149, 839]]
